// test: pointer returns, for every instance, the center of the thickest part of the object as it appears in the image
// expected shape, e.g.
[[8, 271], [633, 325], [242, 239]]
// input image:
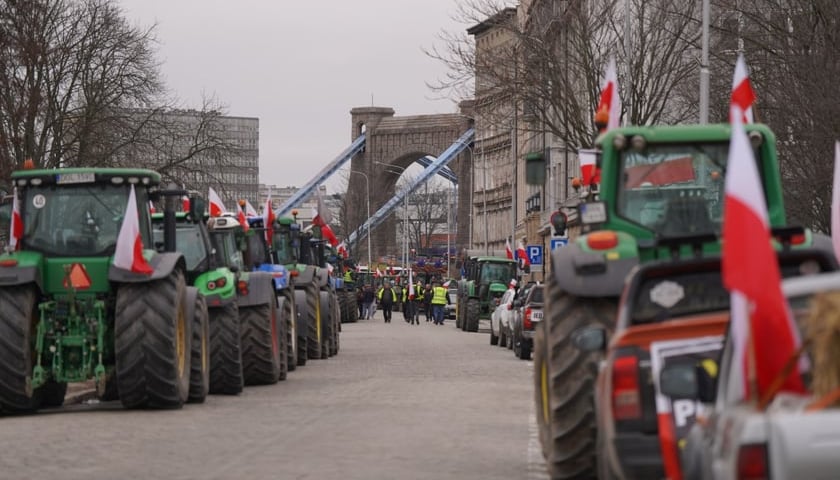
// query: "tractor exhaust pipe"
[[171, 196]]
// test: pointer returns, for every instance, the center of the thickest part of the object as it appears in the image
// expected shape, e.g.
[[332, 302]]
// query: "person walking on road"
[[427, 301], [386, 297], [360, 300], [440, 297], [370, 309]]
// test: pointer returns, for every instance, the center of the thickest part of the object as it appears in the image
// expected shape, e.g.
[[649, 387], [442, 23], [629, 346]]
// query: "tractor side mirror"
[[197, 207]]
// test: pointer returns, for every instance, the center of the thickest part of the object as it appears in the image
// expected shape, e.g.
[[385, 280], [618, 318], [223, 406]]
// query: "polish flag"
[[610, 102], [151, 207], [742, 92], [762, 328], [250, 211], [835, 203], [410, 285], [129, 250], [268, 219], [342, 250], [217, 208], [321, 218], [16, 227], [242, 219], [508, 250], [185, 203], [523, 255], [589, 173]]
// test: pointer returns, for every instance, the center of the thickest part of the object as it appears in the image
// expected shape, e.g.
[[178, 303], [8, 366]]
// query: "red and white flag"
[[523, 255], [129, 249], [16, 227], [589, 172], [321, 217], [342, 250], [742, 92], [250, 211], [410, 285], [185, 203], [610, 102], [151, 207], [378, 274], [762, 328], [217, 208], [835, 203], [268, 219], [508, 250], [243, 220]]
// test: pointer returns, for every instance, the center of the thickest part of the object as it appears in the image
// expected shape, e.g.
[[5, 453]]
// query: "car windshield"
[[188, 241], [536, 295], [78, 220], [226, 252], [674, 189], [497, 272]]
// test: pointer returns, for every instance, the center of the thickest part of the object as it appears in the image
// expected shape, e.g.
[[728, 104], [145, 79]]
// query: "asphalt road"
[[398, 402]]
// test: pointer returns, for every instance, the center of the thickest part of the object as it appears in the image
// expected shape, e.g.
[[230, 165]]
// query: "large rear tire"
[[263, 341], [17, 355], [571, 379], [471, 320], [302, 329], [541, 389], [314, 322], [287, 310], [336, 327], [152, 337], [327, 323], [226, 376], [200, 358]]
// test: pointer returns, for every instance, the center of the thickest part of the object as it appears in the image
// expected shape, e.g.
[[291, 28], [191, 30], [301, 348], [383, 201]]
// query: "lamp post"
[[367, 184]]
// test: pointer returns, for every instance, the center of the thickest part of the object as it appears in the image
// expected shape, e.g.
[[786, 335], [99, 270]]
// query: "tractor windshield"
[[226, 252], [188, 241], [283, 247], [78, 220], [497, 273], [674, 189]]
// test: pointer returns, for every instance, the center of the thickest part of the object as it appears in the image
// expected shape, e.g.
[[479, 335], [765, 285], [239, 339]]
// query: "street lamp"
[[367, 184]]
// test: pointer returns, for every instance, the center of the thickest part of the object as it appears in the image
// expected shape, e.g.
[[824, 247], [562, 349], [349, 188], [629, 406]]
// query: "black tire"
[[200, 358], [459, 314], [327, 323], [17, 352], [503, 339], [494, 339], [336, 329], [541, 388], [524, 351], [471, 320], [263, 341], [314, 324], [302, 321], [509, 337], [53, 393], [572, 376], [152, 339], [226, 376], [288, 312]]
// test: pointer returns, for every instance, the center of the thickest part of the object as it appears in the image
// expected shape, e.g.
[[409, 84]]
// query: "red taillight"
[[221, 282], [242, 286], [626, 399], [294, 273], [8, 262], [752, 462], [603, 240], [526, 319], [797, 239]]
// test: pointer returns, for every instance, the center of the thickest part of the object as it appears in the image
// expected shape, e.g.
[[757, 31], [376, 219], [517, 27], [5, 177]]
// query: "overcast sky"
[[300, 67]]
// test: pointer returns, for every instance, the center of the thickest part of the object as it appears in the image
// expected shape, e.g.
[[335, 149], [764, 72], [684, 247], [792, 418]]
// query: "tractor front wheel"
[[471, 320], [225, 350], [17, 355], [314, 322], [200, 359], [152, 337]]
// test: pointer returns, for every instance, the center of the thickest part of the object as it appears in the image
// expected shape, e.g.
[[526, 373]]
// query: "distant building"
[[279, 195]]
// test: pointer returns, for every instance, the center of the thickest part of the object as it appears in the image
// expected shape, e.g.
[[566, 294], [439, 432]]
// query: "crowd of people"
[[431, 298]]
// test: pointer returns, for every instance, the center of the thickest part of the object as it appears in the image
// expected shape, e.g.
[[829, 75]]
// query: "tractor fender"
[[21, 275], [162, 263], [588, 274], [260, 290], [322, 278], [305, 277]]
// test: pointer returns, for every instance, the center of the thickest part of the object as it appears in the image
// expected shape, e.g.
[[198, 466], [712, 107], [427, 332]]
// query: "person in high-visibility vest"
[[410, 307], [440, 297]]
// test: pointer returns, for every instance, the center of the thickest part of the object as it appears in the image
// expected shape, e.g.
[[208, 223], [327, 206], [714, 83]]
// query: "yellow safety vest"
[[439, 296]]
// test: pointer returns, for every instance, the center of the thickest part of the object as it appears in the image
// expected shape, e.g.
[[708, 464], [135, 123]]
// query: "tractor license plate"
[[65, 178], [536, 316]]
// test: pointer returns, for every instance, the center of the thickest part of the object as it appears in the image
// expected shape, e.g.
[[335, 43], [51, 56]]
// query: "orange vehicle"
[[669, 312]]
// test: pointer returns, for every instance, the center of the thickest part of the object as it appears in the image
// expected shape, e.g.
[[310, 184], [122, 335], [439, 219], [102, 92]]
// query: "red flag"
[[523, 255], [342, 250], [508, 250], [268, 219], [151, 207], [589, 172], [242, 219], [742, 93], [321, 218], [610, 102], [129, 250], [217, 208], [762, 327], [185, 203], [16, 227]]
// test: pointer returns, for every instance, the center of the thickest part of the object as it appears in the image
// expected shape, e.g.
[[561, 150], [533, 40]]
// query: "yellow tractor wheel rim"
[[544, 390]]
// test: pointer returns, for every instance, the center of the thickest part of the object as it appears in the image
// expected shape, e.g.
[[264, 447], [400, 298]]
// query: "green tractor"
[[660, 197], [486, 280], [246, 336], [68, 314]]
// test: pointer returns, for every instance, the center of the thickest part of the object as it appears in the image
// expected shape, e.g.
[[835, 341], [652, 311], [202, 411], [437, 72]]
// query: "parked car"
[[793, 437], [671, 313], [528, 314], [500, 318]]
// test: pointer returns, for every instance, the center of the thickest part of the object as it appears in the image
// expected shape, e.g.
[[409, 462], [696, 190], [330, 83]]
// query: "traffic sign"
[[559, 242], [535, 254]]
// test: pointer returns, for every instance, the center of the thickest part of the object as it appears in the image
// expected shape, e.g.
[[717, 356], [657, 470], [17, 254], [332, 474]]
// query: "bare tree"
[[428, 209]]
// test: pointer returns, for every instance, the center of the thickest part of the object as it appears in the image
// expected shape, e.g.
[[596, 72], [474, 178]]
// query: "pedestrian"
[[419, 300], [370, 307], [360, 300], [386, 297], [410, 307], [427, 301], [440, 297]]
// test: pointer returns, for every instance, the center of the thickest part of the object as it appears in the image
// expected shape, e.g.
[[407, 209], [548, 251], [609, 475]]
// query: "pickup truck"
[[735, 439]]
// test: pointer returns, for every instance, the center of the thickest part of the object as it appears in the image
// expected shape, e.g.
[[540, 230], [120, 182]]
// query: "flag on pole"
[[129, 249], [268, 219], [742, 92], [610, 103], [321, 217], [523, 255], [151, 207], [342, 250], [185, 203], [835, 203], [217, 208], [508, 250], [16, 227], [762, 328], [250, 211], [243, 221], [410, 284]]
